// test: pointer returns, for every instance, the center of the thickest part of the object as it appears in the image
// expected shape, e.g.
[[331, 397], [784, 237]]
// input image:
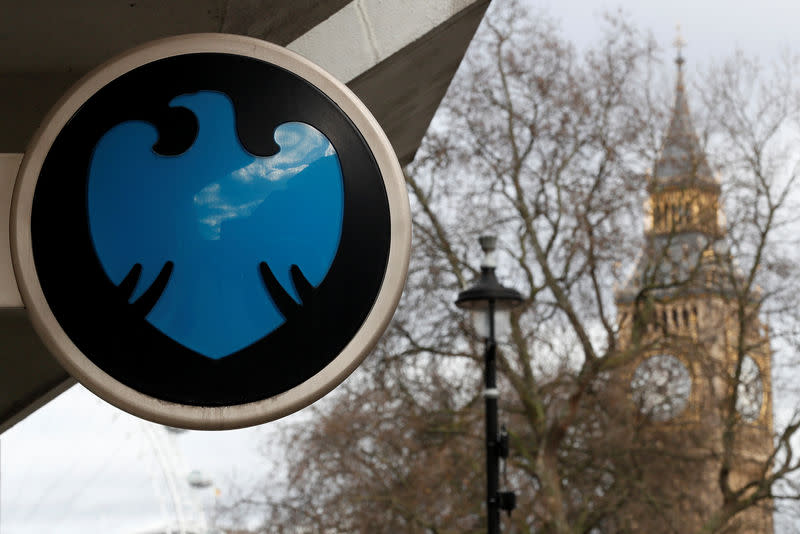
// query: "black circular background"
[[95, 314]]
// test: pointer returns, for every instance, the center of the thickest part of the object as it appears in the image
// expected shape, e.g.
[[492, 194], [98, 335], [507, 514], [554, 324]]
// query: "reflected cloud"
[[240, 193]]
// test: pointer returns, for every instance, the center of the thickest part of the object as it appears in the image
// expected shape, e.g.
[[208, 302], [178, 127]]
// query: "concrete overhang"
[[397, 56]]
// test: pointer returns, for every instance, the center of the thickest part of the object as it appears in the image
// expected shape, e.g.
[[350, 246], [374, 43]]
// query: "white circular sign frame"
[[182, 415]]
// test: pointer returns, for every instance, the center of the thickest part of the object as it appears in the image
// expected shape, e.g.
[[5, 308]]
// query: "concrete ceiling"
[[47, 45], [398, 57], [57, 36]]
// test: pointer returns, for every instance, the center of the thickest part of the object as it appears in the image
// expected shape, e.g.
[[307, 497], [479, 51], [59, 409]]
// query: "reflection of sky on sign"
[[215, 211], [241, 192]]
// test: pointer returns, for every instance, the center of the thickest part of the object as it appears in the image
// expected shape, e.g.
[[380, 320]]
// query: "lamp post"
[[490, 303]]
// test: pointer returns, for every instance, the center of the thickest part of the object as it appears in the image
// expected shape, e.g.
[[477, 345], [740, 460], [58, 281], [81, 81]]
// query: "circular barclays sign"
[[210, 231]]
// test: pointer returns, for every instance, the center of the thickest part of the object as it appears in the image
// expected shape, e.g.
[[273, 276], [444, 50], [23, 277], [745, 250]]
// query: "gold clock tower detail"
[[698, 379]]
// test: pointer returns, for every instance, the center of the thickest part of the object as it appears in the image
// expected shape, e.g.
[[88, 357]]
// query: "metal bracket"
[[507, 500], [502, 443]]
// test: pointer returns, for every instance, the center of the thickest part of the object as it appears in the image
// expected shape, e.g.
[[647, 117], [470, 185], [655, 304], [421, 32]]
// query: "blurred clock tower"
[[698, 380]]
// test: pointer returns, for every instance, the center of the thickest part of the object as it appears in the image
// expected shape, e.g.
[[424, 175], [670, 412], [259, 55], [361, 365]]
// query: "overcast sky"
[[711, 28], [80, 465]]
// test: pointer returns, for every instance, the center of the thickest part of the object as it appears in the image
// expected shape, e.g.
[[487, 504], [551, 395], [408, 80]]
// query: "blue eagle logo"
[[208, 235]]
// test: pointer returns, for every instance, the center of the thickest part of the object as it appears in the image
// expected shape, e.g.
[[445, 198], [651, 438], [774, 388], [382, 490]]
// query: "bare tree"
[[622, 405]]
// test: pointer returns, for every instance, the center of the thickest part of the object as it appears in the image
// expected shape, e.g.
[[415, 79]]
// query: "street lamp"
[[490, 303]]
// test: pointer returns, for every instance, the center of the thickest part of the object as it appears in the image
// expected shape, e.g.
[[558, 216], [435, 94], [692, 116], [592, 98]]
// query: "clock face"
[[749, 390], [661, 386]]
